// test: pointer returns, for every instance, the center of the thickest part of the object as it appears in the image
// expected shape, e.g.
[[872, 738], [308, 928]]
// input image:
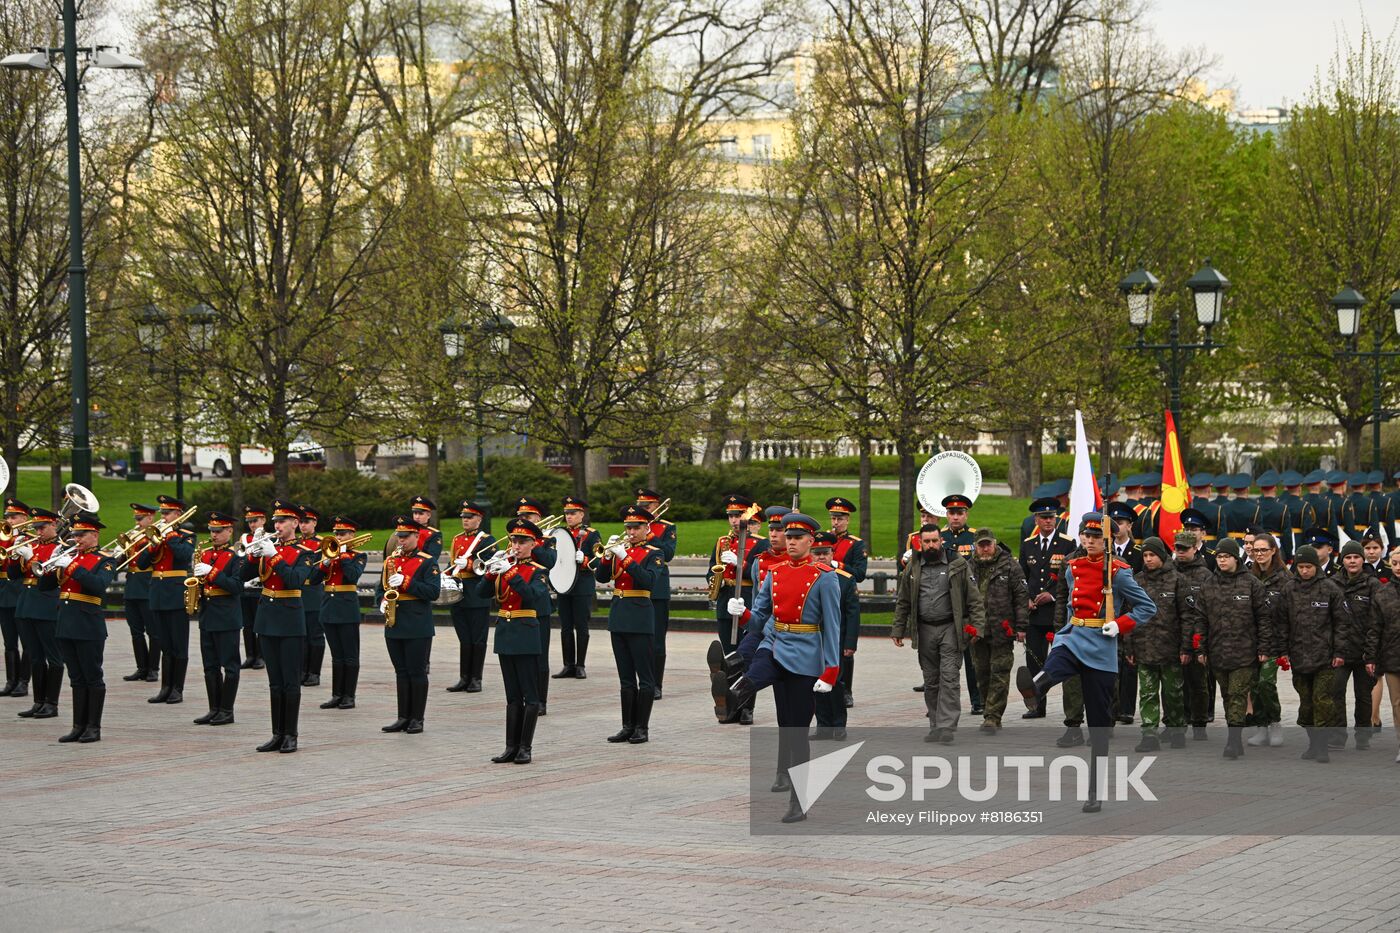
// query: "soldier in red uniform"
[[11, 583], [421, 509], [727, 561], [576, 605], [662, 536], [169, 562], [471, 615], [82, 580], [631, 567], [340, 613]]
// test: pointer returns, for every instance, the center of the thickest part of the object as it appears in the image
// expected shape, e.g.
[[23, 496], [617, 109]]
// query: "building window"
[[763, 146], [728, 146]]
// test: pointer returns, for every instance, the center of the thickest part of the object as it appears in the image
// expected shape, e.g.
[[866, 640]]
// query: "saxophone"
[[194, 590], [391, 596], [717, 571]]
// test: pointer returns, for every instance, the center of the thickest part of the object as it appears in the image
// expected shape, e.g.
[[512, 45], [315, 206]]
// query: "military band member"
[[340, 613], [1042, 561], [412, 576], [793, 644], [631, 566], [662, 536], [282, 565], [37, 613], [169, 562], [471, 615], [545, 555], [312, 594], [726, 561], [830, 707], [255, 520], [82, 580], [136, 604], [517, 585], [853, 556], [959, 538], [220, 574], [421, 510], [1087, 644], [11, 585], [576, 606]]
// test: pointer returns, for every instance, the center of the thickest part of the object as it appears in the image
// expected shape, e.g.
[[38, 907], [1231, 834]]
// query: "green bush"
[[696, 493], [507, 479], [1302, 459], [994, 466], [332, 492]]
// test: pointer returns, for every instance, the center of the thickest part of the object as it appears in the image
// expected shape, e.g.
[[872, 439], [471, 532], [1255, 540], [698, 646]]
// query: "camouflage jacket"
[[1363, 598], [1278, 586], [1004, 599], [1385, 637], [1238, 623], [1162, 643], [1317, 617]]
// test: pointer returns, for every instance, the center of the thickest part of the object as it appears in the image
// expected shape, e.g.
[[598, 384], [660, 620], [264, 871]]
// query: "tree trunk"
[[281, 473], [863, 445], [235, 469], [905, 446], [578, 460], [595, 468], [717, 434], [12, 456], [654, 466], [1351, 454], [1037, 458], [1018, 464], [431, 441]]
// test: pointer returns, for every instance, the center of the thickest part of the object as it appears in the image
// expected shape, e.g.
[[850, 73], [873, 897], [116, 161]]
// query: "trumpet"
[[259, 535], [600, 548], [331, 546], [50, 565], [155, 533], [482, 567], [7, 553]]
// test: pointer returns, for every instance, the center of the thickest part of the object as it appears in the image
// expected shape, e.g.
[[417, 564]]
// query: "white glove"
[[736, 606], [24, 552], [578, 557], [498, 564], [619, 551], [253, 584], [908, 554], [202, 569], [821, 686], [460, 563], [264, 548], [395, 580], [62, 561], [729, 558], [450, 583], [1109, 629], [383, 607]]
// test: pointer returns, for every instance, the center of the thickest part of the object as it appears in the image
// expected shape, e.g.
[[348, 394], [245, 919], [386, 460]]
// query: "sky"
[[1269, 50]]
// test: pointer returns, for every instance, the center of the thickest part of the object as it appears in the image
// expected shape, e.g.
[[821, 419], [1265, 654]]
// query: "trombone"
[[154, 533], [332, 547]]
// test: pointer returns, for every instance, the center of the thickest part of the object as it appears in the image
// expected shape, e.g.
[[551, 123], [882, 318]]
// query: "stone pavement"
[[169, 826]]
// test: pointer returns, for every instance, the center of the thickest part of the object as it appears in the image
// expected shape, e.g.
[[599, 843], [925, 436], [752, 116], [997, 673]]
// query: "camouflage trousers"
[[1317, 701], [1264, 697], [1160, 696], [1073, 701], [1200, 692], [992, 660], [1236, 685]]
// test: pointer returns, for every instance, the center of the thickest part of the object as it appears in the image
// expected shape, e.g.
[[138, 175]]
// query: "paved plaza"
[[169, 826]]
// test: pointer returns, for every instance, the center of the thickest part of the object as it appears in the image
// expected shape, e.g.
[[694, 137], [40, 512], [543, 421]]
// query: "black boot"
[[567, 671], [352, 680], [464, 666], [643, 717], [733, 698], [177, 679], [1324, 740], [544, 693], [211, 686], [1311, 751], [290, 714], [80, 704], [1234, 741], [315, 654], [794, 813], [53, 685], [417, 707], [138, 649], [274, 743], [21, 687], [658, 666], [629, 716], [164, 693], [478, 665], [250, 648], [11, 662], [153, 666], [96, 699], [228, 692], [531, 716], [401, 722], [256, 654], [515, 719], [337, 685]]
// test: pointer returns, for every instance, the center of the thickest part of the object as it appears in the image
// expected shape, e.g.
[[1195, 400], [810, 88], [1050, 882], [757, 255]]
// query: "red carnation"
[[1049, 636], [1196, 641], [970, 631], [1283, 664], [1006, 627], [1054, 577]]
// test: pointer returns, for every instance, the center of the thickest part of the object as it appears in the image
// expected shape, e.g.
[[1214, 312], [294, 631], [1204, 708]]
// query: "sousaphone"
[[946, 473]]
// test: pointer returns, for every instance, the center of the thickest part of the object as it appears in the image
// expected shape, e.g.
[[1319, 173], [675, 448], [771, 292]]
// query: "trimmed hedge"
[[995, 468], [696, 493]]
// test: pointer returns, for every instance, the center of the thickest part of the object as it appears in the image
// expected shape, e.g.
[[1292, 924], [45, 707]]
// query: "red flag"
[[1176, 494]]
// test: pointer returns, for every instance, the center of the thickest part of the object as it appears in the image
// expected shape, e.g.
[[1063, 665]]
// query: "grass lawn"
[[1002, 513]]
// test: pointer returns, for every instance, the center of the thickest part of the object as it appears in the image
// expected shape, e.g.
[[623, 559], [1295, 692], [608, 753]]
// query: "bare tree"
[[1017, 43]]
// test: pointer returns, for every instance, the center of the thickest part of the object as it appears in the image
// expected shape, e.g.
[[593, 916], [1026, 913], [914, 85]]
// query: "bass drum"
[[565, 570]]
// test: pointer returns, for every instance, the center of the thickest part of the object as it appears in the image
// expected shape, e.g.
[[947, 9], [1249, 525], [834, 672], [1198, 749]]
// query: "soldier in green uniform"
[[282, 566], [1362, 593], [254, 519], [662, 537], [169, 562], [421, 510], [1237, 637], [576, 606], [1160, 650], [82, 580], [312, 594], [220, 574], [145, 644], [830, 707], [11, 585], [1006, 614], [631, 566], [409, 580], [1277, 581], [1358, 509], [340, 613], [471, 615], [36, 614], [517, 584], [958, 537], [1311, 647]]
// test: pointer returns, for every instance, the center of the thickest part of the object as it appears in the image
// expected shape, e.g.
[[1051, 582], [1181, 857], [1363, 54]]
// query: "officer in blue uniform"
[[82, 580], [1358, 509], [1270, 512], [830, 708], [219, 572], [1202, 502], [145, 643], [411, 577], [663, 538], [1042, 558], [1291, 531]]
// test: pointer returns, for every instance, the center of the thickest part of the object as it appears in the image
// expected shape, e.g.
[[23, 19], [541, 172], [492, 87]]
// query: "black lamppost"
[[493, 339], [1208, 294], [41, 59], [152, 328], [1348, 304]]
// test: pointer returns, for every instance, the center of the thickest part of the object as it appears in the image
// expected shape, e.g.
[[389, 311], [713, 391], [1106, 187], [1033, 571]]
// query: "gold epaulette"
[[1032, 537], [841, 572], [425, 555]]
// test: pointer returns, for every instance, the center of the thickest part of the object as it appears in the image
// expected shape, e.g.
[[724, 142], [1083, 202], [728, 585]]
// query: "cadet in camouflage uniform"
[[1317, 620], [1196, 575], [1237, 636], [1158, 650], [1274, 574], [1362, 591], [1384, 646], [1006, 614]]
